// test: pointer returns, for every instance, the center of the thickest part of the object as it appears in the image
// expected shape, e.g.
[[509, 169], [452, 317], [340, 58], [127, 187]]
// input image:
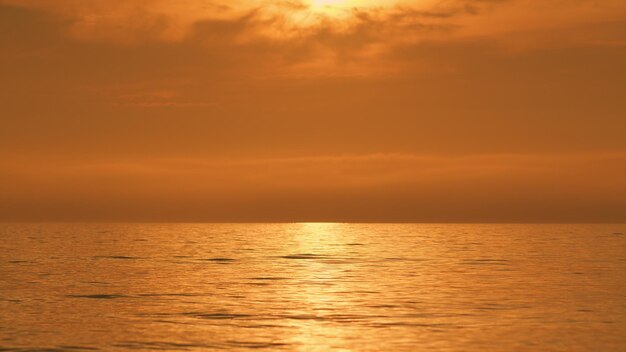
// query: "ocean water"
[[312, 287]]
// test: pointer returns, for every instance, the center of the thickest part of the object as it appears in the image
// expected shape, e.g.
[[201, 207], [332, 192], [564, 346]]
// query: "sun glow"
[[328, 4], [344, 8]]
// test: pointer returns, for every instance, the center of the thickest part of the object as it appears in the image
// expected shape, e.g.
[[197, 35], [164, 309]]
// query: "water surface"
[[312, 287]]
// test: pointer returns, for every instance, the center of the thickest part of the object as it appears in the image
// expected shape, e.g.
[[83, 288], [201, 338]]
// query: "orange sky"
[[289, 110]]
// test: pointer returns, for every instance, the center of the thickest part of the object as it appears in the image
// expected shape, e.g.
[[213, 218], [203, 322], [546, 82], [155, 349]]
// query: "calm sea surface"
[[313, 287]]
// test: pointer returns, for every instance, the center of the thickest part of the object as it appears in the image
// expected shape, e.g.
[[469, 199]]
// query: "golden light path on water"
[[309, 239]]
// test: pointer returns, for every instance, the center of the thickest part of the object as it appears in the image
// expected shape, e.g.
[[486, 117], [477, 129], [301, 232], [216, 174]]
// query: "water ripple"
[[350, 287], [98, 296]]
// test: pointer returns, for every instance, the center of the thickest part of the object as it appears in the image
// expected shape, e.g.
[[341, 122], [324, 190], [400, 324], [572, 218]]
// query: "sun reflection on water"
[[323, 283]]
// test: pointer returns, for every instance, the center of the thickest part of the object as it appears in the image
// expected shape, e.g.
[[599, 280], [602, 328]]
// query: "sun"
[[327, 3]]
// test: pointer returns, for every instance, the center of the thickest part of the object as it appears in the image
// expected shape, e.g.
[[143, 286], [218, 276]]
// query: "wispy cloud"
[[154, 93], [387, 187], [295, 34], [137, 21]]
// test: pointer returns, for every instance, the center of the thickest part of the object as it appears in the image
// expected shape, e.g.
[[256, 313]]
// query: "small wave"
[[423, 325], [304, 256], [78, 348], [49, 349], [217, 316], [485, 262], [302, 317], [162, 346], [117, 257], [402, 259], [382, 306], [98, 296], [11, 301], [219, 260], [255, 345], [170, 295], [497, 306]]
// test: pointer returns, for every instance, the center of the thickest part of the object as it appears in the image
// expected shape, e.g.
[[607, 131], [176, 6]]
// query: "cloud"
[[379, 187], [158, 99], [90, 110], [354, 39], [140, 21], [63, 96]]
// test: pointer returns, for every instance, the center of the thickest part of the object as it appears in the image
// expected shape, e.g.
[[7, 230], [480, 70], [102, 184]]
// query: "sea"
[[312, 287]]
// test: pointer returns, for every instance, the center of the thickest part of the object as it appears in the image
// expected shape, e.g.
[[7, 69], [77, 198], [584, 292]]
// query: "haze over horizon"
[[364, 111]]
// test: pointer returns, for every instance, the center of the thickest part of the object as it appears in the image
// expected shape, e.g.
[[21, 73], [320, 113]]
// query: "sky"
[[297, 110]]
